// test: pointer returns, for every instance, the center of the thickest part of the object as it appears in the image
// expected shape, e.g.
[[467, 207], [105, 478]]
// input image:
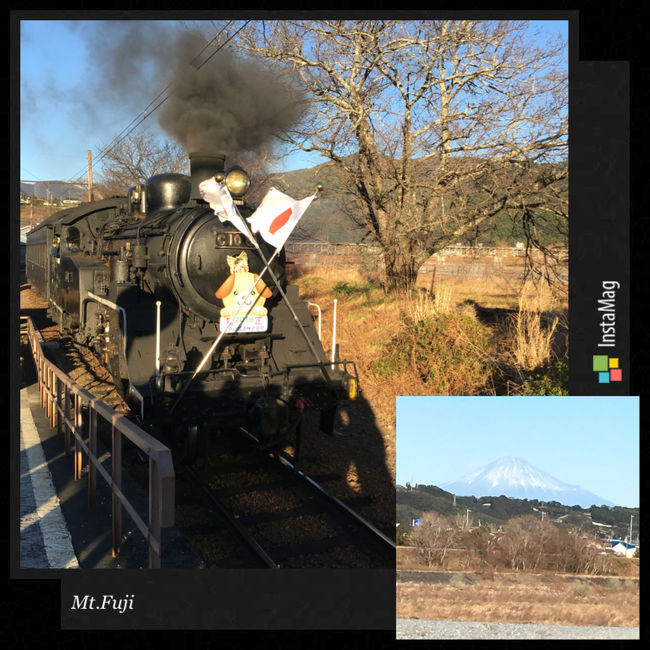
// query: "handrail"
[[313, 304], [59, 393], [121, 310]]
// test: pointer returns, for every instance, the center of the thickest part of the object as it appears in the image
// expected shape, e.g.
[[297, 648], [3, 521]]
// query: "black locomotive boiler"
[[135, 278]]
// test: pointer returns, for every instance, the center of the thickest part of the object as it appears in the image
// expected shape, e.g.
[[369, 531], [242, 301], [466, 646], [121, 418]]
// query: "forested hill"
[[412, 503], [332, 216]]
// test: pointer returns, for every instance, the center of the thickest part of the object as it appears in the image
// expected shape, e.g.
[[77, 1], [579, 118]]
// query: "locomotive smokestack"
[[203, 166]]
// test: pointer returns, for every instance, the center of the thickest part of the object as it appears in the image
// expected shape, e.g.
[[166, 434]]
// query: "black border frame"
[[602, 34]]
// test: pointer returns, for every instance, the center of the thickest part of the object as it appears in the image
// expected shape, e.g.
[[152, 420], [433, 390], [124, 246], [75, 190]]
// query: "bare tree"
[[138, 157], [526, 540], [482, 540], [435, 127], [434, 537], [582, 553]]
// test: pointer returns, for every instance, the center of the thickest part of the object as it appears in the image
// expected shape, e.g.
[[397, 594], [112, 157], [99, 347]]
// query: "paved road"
[[425, 629]]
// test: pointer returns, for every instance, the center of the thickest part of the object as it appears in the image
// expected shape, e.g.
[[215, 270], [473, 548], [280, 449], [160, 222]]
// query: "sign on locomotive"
[[198, 332]]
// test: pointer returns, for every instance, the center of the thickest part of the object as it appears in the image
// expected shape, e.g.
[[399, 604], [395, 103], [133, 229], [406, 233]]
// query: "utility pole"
[[90, 176], [631, 517], [467, 518]]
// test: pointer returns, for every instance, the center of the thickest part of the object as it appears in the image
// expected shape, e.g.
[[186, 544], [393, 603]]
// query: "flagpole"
[[247, 232], [220, 336], [295, 316]]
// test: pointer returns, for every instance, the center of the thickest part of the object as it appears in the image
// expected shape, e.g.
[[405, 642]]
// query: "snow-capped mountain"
[[515, 478]]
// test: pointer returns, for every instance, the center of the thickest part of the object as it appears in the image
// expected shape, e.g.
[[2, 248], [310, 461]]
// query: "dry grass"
[[496, 290], [532, 340], [533, 327], [424, 304], [547, 599], [367, 320]]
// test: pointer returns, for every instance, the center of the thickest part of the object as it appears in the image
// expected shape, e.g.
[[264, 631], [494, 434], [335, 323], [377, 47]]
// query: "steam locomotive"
[[136, 279]]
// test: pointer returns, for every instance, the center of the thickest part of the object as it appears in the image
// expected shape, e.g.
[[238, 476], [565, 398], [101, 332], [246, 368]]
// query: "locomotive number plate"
[[250, 323], [231, 240]]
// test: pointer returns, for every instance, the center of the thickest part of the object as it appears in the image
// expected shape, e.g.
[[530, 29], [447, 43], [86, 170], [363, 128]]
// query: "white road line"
[[47, 513]]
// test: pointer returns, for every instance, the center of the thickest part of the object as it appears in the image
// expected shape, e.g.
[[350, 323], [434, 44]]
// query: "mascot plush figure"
[[236, 289]]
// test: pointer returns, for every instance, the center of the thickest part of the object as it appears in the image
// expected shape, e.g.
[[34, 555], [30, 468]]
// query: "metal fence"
[[64, 401], [318, 249]]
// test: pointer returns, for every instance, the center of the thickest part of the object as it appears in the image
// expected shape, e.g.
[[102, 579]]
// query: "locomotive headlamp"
[[237, 181]]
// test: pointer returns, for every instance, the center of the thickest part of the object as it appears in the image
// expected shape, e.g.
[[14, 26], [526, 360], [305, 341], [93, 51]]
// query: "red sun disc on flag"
[[279, 221]]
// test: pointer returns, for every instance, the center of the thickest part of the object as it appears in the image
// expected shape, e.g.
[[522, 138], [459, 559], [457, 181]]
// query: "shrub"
[[450, 352], [457, 582], [352, 289], [581, 553], [551, 380], [582, 590]]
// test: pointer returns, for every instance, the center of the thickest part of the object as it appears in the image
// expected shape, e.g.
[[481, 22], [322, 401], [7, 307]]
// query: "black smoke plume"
[[228, 104], [217, 102]]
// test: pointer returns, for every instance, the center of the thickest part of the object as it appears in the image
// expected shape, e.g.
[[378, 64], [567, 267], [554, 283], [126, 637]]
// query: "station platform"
[[58, 529]]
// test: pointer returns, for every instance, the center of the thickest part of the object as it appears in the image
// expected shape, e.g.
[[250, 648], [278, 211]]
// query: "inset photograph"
[[517, 517]]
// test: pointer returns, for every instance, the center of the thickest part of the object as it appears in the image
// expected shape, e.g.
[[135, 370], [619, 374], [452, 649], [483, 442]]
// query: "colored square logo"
[[607, 368], [600, 363]]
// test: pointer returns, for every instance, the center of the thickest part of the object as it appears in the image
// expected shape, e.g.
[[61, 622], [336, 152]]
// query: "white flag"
[[218, 196], [277, 215]]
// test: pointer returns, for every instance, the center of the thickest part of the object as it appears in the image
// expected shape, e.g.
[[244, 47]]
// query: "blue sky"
[[56, 131], [588, 441]]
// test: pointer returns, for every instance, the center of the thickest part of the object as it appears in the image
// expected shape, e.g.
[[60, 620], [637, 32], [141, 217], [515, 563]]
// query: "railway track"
[[246, 507], [286, 517]]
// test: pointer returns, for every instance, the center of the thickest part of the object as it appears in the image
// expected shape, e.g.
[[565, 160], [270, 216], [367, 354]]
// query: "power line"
[[59, 182], [129, 128], [122, 135], [34, 175]]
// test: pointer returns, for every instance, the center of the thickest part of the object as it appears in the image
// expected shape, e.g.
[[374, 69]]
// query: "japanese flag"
[[218, 196], [277, 215]]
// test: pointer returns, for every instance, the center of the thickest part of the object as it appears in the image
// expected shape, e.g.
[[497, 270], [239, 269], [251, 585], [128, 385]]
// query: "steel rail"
[[366, 525], [332, 499], [241, 531]]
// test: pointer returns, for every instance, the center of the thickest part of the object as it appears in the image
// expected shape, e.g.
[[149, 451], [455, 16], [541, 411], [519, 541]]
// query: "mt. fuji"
[[515, 478]]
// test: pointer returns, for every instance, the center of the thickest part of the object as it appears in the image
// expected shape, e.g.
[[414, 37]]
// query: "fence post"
[[57, 405], [48, 393], [155, 513], [48, 379], [55, 388], [92, 447], [116, 467], [41, 379], [50, 397], [77, 434], [66, 419]]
